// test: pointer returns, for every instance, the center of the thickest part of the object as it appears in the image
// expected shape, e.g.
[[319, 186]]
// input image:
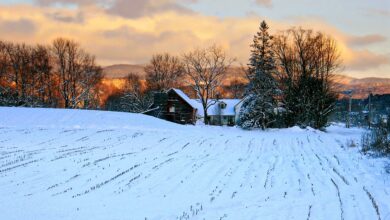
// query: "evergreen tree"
[[258, 109]]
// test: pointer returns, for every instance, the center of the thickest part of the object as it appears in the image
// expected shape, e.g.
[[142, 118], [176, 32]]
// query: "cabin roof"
[[185, 98]]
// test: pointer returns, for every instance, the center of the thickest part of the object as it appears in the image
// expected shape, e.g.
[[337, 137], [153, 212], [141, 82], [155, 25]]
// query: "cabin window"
[[172, 109]]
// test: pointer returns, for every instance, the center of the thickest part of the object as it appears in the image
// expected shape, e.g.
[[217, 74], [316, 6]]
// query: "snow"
[[78, 164], [61, 118]]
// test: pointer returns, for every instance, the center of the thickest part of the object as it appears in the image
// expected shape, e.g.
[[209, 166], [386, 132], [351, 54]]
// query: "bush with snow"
[[377, 140]]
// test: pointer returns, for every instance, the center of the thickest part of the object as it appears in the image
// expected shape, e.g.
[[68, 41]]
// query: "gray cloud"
[[131, 34], [21, 26], [138, 8], [381, 12], [138, 38], [265, 3], [365, 40], [129, 8], [364, 60], [58, 16], [77, 2]]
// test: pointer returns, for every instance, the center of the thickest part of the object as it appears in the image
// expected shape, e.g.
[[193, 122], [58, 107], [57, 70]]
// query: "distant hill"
[[374, 81], [361, 87], [121, 70]]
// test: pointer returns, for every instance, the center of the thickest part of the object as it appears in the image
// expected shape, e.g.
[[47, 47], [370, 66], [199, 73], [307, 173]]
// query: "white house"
[[221, 112]]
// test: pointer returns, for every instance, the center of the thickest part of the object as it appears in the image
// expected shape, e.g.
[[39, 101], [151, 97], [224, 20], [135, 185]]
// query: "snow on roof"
[[215, 110], [185, 98]]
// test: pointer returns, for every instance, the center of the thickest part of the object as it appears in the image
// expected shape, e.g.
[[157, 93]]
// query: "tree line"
[[60, 75]]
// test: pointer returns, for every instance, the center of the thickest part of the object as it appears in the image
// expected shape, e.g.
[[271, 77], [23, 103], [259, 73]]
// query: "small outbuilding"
[[173, 105]]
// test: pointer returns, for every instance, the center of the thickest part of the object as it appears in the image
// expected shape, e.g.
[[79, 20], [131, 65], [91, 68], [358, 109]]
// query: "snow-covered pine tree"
[[258, 108]]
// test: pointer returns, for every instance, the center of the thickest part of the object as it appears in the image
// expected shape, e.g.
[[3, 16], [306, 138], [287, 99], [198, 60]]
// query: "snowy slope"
[[62, 118], [72, 164]]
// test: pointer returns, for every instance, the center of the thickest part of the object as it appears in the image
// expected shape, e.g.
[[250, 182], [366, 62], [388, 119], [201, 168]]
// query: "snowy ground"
[[68, 164]]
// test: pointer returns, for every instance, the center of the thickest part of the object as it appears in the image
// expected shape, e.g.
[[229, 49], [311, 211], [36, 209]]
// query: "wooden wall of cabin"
[[183, 113]]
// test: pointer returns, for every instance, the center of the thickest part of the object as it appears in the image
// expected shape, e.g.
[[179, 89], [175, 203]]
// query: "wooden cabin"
[[173, 105]]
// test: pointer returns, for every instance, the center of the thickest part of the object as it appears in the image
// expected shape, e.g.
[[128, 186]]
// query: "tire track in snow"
[[374, 203], [340, 200]]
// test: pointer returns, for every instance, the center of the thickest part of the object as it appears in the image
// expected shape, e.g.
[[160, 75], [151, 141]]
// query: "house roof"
[[185, 98], [214, 109]]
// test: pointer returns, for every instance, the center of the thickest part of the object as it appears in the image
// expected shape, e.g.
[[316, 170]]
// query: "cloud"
[[138, 8], [126, 33], [128, 8], [133, 39], [265, 3], [77, 2], [365, 40], [66, 17], [135, 47], [19, 27], [381, 12], [364, 60]]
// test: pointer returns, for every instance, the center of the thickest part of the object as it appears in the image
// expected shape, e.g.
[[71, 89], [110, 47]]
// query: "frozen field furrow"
[[156, 171]]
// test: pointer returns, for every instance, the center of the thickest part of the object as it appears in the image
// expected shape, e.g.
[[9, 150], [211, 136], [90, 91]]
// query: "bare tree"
[[237, 88], [18, 61], [44, 84], [163, 72], [3, 61], [20, 75], [41, 75], [4, 84], [135, 97], [59, 48], [205, 69], [306, 63], [77, 73]]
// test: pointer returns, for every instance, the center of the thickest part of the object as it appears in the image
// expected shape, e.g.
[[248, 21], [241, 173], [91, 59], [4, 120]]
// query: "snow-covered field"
[[69, 164]]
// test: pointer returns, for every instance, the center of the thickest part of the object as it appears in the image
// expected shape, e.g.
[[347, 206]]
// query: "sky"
[[131, 31]]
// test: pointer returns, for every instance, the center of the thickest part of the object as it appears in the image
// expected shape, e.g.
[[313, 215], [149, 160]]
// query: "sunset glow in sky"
[[130, 31]]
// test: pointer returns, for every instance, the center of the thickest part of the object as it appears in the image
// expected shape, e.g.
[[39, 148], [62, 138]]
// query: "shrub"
[[377, 140]]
